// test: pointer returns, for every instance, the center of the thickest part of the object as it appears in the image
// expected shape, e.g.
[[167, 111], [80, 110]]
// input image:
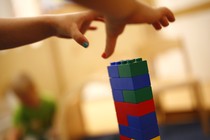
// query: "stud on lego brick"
[[136, 96], [133, 83], [113, 69], [132, 68]]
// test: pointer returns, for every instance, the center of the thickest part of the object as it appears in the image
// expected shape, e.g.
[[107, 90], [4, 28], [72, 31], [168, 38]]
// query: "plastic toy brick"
[[122, 117], [139, 134], [132, 68], [113, 69], [121, 113], [151, 133], [139, 109], [125, 131], [136, 96], [124, 138], [133, 83], [133, 98], [147, 133], [118, 95], [156, 138], [143, 122]]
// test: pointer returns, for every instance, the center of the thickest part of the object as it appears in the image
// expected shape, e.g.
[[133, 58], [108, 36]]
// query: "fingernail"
[[85, 44], [104, 55]]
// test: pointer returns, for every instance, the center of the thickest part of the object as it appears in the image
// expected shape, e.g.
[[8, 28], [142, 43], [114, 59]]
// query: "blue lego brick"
[[137, 134], [113, 69], [132, 83], [118, 95], [131, 132], [125, 131], [142, 122], [151, 132]]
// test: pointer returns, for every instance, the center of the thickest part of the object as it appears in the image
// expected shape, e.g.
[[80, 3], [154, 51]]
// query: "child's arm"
[[118, 13], [114, 8], [16, 32]]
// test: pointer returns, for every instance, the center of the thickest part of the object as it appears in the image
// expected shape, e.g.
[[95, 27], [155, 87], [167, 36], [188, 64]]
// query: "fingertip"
[[104, 55], [157, 26], [164, 22], [168, 13], [171, 16], [85, 44]]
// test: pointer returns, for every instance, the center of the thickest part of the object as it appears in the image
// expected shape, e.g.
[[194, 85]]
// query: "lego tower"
[[133, 99]]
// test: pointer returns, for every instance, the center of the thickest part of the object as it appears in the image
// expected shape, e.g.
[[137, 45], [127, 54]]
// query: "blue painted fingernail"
[[85, 44]]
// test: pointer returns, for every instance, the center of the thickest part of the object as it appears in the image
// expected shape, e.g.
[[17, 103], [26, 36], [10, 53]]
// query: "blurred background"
[[77, 78]]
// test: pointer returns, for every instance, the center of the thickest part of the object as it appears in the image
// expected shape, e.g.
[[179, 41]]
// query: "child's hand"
[[74, 26], [141, 14]]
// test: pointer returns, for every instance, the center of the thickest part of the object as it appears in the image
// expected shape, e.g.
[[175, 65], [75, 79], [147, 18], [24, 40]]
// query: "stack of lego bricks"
[[133, 99]]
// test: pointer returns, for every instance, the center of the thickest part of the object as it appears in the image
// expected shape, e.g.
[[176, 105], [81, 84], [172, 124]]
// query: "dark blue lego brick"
[[125, 131], [132, 83], [118, 95], [137, 134], [142, 122], [144, 135], [113, 69], [151, 132]]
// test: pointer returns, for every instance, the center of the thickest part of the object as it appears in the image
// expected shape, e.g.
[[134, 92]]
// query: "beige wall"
[[194, 29], [37, 62], [6, 8]]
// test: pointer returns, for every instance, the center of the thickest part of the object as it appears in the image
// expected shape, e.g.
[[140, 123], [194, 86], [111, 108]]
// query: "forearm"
[[117, 9], [16, 32]]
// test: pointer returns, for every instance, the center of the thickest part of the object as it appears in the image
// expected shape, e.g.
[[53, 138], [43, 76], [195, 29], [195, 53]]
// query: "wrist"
[[49, 24]]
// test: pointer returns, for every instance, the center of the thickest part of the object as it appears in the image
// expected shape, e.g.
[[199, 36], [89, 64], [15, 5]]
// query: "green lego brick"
[[137, 96], [132, 68]]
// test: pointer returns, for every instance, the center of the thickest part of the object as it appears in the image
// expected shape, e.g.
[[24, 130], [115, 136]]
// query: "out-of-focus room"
[[78, 82]]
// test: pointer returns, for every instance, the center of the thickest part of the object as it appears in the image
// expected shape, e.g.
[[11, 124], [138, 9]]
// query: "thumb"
[[79, 37]]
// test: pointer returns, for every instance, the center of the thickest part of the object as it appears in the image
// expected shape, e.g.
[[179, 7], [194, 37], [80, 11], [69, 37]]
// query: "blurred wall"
[[194, 29], [6, 8], [24, 8], [37, 62]]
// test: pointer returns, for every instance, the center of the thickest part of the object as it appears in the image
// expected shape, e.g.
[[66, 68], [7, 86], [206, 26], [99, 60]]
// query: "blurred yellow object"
[[156, 138]]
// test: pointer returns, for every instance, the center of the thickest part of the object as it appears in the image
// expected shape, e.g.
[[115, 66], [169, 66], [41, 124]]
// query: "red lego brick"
[[121, 113], [123, 109], [124, 138], [122, 118], [139, 109]]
